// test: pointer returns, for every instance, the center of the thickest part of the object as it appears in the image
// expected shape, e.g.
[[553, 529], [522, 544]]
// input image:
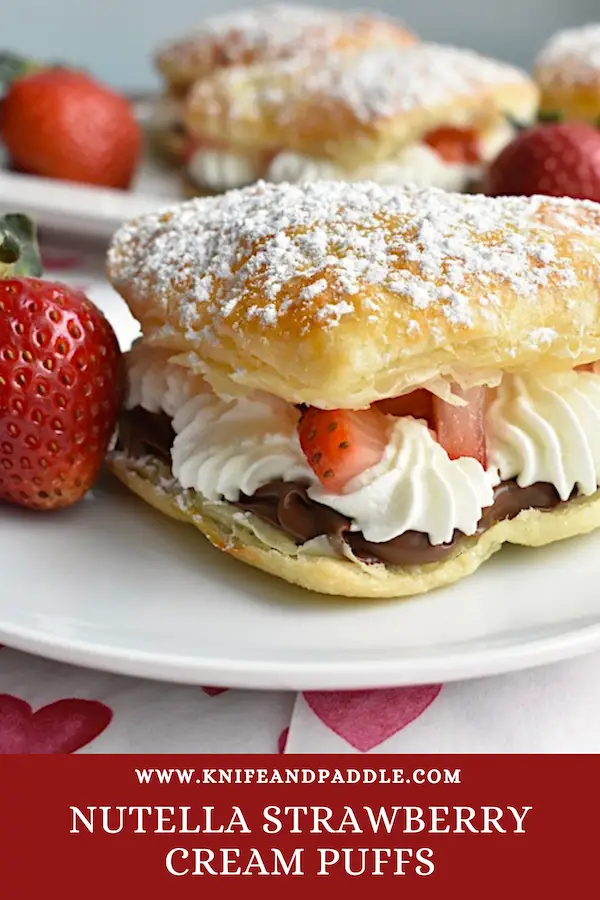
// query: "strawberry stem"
[[19, 250], [13, 67], [548, 117]]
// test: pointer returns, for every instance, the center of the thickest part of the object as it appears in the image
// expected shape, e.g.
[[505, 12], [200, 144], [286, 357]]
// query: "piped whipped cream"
[[416, 164], [227, 448], [540, 429], [548, 429], [157, 384], [414, 487], [220, 170]]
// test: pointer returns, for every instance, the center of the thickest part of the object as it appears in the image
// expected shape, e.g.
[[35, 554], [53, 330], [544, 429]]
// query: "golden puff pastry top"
[[338, 294], [357, 105], [568, 72], [277, 31]]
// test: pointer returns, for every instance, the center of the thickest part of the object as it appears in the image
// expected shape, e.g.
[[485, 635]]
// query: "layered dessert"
[[365, 390], [568, 72], [253, 35], [429, 115]]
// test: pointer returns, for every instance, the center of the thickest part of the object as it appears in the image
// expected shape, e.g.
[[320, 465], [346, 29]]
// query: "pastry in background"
[[568, 73], [365, 390], [428, 114], [253, 35]]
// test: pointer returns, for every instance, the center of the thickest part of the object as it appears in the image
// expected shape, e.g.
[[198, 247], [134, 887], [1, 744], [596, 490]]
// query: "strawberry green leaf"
[[549, 116], [13, 67], [19, 250]]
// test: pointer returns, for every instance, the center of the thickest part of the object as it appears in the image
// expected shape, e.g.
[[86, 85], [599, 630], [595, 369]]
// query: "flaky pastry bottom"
[[246, 537]]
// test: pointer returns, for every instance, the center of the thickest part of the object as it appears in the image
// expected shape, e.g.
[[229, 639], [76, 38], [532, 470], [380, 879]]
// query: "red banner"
[[218, 826]]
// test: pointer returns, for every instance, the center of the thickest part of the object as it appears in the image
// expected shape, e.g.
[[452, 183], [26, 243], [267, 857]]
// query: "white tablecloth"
[[49, 707], [548, 710]]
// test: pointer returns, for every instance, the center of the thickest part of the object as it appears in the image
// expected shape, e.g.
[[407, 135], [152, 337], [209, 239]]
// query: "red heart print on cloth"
[[60, 727], [282, 740], [367, 718], [214, 691]]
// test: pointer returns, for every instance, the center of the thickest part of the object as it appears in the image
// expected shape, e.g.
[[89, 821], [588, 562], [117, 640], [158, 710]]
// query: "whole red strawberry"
[[559, 160], [60, 391], [62, 124]]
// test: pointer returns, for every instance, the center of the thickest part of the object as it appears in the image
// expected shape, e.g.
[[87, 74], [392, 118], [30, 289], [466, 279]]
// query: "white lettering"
[[270, 813], [414, 814], [169, 860], [519, 817], [492, 816], [425, 855], [200, 863], [163, 813], [383, 819], [295, 863], [328, 857], [77, 814], [464, 816], [438, 813]]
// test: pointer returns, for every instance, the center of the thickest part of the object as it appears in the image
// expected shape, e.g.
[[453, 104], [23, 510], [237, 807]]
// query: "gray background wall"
[[115, 38]]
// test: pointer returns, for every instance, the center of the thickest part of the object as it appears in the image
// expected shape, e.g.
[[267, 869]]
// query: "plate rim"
[[305, 676]]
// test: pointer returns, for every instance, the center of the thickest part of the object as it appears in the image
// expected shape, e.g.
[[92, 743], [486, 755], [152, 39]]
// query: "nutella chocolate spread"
[[288, 506]]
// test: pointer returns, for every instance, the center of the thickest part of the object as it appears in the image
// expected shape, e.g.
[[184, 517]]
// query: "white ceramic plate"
[[112, 584]]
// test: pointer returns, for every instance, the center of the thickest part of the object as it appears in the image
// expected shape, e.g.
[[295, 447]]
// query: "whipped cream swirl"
[[417, 164], [540, 428], [547, 428], [225, 448], [222, 447], [221, 170], [157, 384], [414, 487]]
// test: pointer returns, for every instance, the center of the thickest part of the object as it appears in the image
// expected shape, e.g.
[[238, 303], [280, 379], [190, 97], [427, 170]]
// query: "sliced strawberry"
[[339, 444], [461, 429], [586, 367], [418, 404], [455, 145]]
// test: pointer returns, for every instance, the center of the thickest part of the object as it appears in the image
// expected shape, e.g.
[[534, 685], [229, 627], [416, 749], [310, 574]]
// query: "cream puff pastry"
[[255, 35], [365, 390], [428, 114], [568, 73]]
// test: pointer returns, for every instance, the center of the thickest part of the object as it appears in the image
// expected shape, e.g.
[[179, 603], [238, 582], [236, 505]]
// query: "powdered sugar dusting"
[[377, 83], [571, 57], [314, 289], [276, 31], [383, 82], [240, 254]]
